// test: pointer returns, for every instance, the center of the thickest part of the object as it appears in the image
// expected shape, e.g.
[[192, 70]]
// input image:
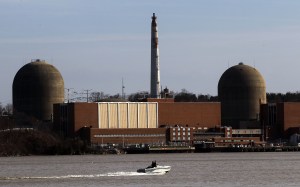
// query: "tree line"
[[185, 96], [271, 97], [287, 97]]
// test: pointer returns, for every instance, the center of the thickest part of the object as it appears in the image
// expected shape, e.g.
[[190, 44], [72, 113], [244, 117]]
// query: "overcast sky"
[[96, 43]]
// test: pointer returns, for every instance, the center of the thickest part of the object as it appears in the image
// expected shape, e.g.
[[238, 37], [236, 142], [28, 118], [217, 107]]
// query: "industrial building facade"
[[281, 120], [170, 122], [226, 137], [128, 136], [127, 115], [190, 114], [70, 117], [135, 122]]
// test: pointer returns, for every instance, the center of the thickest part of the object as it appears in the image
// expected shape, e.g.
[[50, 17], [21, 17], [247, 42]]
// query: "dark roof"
[[241, 75]]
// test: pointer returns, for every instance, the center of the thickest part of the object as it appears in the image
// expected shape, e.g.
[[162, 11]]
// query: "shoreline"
[[117, 151]]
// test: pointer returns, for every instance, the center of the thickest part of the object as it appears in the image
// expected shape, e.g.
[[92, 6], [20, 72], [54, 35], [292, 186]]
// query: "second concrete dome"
[[241, 90], [36, 87]]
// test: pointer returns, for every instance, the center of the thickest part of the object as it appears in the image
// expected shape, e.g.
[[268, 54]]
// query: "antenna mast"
[[123, 87]]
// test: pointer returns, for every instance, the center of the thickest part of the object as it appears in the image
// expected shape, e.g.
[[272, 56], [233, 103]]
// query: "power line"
[[87, 94]]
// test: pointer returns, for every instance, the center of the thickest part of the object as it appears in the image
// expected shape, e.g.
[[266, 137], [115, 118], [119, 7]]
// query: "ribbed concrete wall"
[[127, 115]]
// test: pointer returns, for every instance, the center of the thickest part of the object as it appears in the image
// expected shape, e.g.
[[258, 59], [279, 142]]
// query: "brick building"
[[134, 122], [280, 120]]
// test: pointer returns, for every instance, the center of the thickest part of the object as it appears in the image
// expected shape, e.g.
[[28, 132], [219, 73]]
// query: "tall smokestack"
[[155, 74]]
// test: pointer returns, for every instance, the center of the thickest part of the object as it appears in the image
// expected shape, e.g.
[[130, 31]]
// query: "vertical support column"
[[128, 115], [147, 114], [156, 115], [108, 115], [118, 110], [99, 121], [138, 115]]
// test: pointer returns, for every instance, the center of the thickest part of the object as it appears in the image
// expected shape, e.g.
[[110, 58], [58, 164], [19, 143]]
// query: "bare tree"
[[1, 109], [97, 96], [185, 96], [138, 96], [8, 109]]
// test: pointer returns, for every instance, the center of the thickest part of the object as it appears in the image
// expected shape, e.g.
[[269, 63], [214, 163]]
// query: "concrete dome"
[[36, 87], [241, 90]]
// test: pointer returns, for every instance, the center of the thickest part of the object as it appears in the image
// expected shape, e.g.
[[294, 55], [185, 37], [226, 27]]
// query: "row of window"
[[235, 141], [189, 129], [174, 134], [127, 135], [183, 129], [178, 138], [246, 132]]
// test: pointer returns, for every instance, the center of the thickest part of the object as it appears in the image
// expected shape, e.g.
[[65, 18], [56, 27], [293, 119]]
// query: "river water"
[[191, 169]]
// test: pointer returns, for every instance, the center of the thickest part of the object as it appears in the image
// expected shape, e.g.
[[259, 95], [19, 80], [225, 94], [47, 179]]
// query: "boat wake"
[[115, 174]]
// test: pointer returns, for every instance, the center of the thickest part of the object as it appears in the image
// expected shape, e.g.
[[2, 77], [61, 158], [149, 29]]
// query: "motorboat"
[[155, 168]]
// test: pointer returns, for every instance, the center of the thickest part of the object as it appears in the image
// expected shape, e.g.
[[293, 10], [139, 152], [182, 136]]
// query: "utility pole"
[[87, 94], [123, 87]]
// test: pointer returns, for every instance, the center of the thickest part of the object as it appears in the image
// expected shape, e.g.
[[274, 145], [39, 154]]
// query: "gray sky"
[[94, 43]]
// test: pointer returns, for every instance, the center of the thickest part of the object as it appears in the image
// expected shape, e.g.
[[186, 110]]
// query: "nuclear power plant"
[[242, 117]]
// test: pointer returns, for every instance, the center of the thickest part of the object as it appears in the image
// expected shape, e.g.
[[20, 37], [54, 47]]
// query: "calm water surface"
[[193, 169]]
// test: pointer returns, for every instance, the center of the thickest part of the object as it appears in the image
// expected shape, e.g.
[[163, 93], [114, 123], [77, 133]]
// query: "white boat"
[[154, 168]]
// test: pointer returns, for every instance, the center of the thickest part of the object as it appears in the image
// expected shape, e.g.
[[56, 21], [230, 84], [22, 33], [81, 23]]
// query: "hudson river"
[[192, 169]]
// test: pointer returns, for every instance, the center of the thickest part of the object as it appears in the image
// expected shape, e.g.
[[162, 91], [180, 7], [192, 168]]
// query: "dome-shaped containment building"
[[241, 90], [36, 87]]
